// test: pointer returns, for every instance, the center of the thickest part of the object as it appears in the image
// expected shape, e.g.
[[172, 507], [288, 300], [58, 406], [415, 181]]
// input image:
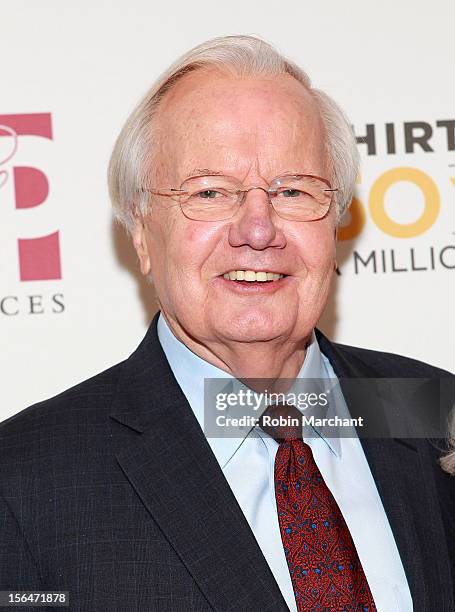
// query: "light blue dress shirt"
[[247, 462]]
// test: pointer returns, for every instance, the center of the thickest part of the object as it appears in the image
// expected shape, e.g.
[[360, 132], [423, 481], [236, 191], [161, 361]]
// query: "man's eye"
[[292, 193], [207, 194]]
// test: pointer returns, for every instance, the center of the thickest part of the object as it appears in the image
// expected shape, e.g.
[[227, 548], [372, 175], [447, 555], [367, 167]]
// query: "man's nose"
[[255, 223]]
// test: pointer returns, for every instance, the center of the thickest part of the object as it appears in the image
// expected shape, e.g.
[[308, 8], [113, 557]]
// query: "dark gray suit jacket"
[[110, 491]]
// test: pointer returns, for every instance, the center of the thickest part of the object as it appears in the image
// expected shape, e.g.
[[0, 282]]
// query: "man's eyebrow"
[[205, 172]]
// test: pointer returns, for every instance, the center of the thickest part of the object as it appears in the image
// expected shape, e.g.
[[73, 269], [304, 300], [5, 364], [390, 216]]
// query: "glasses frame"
[[173, 193]]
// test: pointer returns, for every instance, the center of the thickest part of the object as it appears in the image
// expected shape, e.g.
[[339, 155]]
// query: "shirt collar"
[[190, 371]]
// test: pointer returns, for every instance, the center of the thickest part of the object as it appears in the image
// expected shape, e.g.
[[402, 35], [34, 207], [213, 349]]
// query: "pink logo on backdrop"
[[39, 257]]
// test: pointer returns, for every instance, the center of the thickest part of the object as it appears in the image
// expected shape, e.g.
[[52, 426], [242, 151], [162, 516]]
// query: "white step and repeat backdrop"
[[71, 299]]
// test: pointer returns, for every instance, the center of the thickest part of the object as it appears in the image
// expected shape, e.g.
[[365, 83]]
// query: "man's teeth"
[[250, 275]]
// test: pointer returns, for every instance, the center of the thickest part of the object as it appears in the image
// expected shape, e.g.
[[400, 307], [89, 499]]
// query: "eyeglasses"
[[296, 197]]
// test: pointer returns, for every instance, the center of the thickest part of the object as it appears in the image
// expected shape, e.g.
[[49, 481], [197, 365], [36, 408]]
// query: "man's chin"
[[252, 329]]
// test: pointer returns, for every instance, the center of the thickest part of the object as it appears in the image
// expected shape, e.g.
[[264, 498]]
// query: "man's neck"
[[279, 358]]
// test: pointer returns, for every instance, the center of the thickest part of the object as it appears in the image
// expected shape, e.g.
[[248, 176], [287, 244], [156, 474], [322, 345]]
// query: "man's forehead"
[[209, 89], [213, 123]]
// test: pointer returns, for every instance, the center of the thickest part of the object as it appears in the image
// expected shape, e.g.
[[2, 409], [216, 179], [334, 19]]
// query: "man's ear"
[[140, 244]]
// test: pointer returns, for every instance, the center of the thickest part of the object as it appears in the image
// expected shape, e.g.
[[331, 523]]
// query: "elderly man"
[[231, 176]]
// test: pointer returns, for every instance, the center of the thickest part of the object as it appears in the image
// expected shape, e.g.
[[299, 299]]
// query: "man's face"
[[253, 130]]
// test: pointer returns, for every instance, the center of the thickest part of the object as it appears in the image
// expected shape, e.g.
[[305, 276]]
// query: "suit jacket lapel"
[[403, 471], [173, 470]]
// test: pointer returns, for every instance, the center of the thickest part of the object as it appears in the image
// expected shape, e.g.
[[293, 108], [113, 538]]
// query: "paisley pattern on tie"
[[325, 569]]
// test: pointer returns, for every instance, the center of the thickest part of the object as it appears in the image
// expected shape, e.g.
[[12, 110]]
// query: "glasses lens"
[[209, 198], [300, 198]]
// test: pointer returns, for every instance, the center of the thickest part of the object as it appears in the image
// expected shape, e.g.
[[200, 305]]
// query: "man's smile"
[[253, 281], [252, 275]]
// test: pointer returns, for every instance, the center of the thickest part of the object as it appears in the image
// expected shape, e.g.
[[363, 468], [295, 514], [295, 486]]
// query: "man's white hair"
[[135, 152]]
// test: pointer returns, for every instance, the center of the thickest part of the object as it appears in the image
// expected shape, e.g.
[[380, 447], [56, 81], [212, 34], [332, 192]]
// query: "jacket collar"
[[174, 472]]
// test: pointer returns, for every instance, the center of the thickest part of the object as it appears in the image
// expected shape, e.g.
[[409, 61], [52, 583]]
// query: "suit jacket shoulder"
[[377, 363], [90, 394]]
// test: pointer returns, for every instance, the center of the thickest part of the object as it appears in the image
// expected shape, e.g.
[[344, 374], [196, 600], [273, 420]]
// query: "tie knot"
[[282, 421]]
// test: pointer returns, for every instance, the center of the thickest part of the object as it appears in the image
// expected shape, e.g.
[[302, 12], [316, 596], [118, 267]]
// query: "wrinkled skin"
[[253, 129]]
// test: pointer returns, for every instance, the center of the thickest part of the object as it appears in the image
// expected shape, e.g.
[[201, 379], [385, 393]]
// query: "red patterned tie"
[[325, 569]]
